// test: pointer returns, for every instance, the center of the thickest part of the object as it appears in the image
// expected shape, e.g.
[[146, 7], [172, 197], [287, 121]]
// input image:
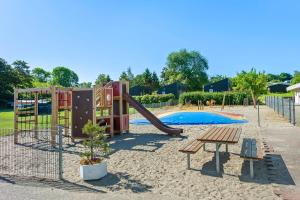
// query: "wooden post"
[[112, 131], [15, 116], [94, 105], [121, 106], [54, 113], [36, 114], [223, 102], [66, 114], [127, 104]]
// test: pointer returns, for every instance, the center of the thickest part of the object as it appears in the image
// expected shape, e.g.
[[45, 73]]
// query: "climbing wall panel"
[[82, 111]]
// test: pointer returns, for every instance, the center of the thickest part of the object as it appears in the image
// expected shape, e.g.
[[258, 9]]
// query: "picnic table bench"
[[191, 148], [219, 136], [252, 151]]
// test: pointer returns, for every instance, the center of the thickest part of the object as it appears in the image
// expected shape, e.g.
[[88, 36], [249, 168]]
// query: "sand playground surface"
[[146, 162]]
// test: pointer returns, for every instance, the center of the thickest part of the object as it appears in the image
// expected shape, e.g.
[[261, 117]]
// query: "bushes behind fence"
[[232, 98], [154, 98]]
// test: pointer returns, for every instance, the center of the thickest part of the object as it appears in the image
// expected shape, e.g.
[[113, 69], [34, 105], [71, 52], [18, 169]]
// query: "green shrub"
[[233, 98], [154, 98]]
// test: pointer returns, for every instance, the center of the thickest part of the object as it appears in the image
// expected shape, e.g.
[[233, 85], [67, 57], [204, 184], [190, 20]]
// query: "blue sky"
[[93, 37]]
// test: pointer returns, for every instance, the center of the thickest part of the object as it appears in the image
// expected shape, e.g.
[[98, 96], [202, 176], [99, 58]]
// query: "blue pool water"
[[192, 118]]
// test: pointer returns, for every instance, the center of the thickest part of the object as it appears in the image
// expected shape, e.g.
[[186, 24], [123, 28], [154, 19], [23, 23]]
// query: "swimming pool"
[[195, 118]]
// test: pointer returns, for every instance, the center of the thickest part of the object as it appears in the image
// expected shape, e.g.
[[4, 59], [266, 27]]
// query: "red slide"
[[152, 118]]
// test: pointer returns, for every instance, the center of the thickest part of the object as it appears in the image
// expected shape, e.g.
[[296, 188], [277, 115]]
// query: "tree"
[[95, 143], [6, 80], [284, 76], [272, 78], [64, 77], [187, 67], [123, 77], [252, 82], [147, 76], [155, 81], [296, 78], [127, 75], [41, 75], [22, 76], [85, 85], [216, 78], [102, 79], [138, 80]]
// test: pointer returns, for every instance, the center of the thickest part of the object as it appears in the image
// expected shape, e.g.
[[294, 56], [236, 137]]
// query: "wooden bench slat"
[[195, 147], [192, 147]]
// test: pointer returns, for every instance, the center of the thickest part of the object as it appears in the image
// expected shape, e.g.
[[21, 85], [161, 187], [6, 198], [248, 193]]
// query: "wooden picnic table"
[[219, 136]]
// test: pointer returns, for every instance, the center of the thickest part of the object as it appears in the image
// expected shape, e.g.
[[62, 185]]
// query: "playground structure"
[[47, 108]]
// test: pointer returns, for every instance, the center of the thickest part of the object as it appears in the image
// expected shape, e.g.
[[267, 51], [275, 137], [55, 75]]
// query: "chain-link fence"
[[31, 153], [284, 106]]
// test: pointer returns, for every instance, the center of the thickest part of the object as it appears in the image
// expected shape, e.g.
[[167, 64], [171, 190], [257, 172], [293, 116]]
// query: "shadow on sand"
[[121, 181], [148, 142], [112, 182], [270, 170], [38, 182]]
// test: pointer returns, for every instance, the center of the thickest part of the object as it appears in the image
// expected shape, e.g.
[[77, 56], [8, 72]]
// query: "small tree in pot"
[[92, 164]]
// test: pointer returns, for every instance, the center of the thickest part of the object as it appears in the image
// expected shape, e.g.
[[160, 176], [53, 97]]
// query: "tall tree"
[[147, 76], [64, 77], [40, 75], [272, 78], [296, 78], [138, 80], [123, 77], [285, 76], [23, 78], [216, 78], [102, 79], [7, 82], [253, 82], [85, 85], [155, 81], [127, 75], [187, 67]]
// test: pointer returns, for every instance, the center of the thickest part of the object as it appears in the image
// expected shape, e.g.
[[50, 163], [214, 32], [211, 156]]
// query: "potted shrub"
[[92, 165]]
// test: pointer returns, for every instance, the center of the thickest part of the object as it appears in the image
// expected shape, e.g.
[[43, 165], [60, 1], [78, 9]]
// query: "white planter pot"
[[93, 172]]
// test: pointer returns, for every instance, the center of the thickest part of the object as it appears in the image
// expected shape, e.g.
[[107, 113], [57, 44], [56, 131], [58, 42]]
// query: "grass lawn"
[[6, 119]]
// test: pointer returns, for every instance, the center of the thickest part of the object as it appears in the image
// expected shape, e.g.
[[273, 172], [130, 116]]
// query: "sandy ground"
[[147, 161], [146, 164]]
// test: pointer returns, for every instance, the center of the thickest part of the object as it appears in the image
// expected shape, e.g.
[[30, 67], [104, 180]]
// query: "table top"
[[221, 135]]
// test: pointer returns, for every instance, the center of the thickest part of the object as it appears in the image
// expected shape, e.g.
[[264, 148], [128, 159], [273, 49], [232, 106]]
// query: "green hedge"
[[233, 98], [154, 98]]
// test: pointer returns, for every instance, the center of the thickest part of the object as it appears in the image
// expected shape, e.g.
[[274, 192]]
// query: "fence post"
[[258, 115], [294, 113], [60, 152], [290, 111], [277, 99], [282, 106]]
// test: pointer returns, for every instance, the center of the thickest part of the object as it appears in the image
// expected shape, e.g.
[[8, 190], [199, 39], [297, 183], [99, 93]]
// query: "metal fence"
[[33, 155], [284, 106]]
